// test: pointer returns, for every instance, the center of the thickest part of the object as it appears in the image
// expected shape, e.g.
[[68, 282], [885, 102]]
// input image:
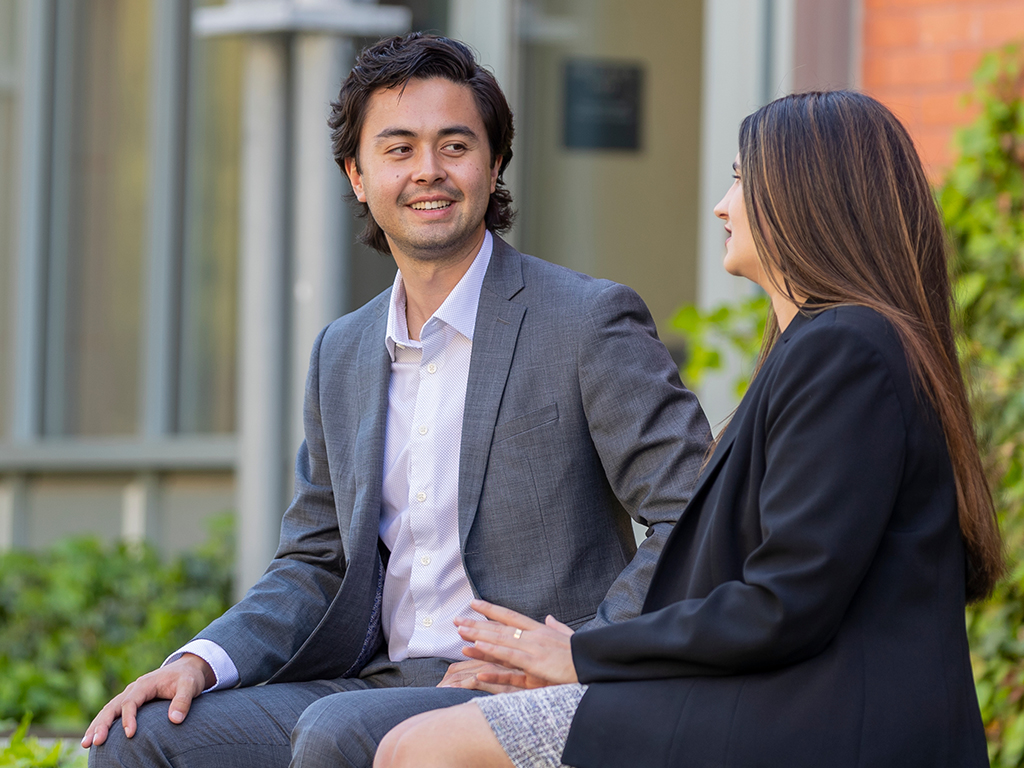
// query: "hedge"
[[82, 619]]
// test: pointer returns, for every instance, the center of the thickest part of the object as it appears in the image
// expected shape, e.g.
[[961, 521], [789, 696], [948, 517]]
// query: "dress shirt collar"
[[458, 310]]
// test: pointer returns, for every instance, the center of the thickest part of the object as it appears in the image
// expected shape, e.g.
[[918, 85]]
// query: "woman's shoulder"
[[851, 320], [848, 339], [847, 327]]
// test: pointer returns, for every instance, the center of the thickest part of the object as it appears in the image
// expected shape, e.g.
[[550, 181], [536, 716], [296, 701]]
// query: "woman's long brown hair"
[[841, 211]]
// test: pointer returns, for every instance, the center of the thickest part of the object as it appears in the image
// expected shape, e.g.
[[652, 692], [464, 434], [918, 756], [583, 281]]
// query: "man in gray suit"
[[482, 428]]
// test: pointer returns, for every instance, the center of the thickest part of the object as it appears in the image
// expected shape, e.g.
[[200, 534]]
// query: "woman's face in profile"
[[740, 253]]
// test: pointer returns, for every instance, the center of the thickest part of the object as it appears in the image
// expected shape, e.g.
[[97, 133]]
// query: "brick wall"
[[918, 57]]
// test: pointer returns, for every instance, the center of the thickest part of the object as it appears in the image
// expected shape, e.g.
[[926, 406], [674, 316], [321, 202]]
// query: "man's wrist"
[[225, 674], [203, 667]]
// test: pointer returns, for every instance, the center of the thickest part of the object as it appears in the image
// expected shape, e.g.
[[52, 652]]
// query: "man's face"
[[425, 168]]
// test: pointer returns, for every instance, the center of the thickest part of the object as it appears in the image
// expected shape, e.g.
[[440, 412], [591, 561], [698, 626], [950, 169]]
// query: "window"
[[135, 100], [99, 214]]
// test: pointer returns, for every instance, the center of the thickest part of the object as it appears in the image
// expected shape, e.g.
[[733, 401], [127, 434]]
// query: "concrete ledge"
[[276, 16], [111, 454]]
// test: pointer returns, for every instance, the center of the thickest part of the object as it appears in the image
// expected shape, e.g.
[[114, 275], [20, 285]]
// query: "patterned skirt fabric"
[[532, 726]]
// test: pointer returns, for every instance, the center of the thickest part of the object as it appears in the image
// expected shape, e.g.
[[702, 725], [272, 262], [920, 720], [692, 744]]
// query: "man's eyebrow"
[[458, 130], [390, 133], [405, 133]]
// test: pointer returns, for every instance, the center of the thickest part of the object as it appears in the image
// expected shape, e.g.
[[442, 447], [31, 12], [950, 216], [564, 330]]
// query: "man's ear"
[[495, 170], [355, 178]]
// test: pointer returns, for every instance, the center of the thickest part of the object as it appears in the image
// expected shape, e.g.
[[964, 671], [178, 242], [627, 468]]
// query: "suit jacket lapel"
[[498, 320], [374, 363]]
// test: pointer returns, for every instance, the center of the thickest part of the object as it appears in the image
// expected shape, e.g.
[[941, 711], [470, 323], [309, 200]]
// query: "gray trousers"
[[315, 724]]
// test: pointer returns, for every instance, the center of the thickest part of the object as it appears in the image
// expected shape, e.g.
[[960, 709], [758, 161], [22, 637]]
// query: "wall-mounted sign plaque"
[[602, 104]]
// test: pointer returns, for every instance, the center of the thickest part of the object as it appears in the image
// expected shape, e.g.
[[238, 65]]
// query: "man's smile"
[[430, 205]]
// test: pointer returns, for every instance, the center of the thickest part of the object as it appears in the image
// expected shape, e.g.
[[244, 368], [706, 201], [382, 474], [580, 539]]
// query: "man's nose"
[[429, 169]]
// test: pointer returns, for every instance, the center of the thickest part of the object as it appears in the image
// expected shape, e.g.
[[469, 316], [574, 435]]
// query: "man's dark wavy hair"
[[391, 63]]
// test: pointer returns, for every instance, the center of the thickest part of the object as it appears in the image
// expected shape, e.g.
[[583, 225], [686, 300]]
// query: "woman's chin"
[[732, 269]]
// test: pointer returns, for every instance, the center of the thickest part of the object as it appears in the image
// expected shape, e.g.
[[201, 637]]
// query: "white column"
[[781, 48], [746, 46], [262, 364], [321, 236], [491, 29], [140, 509], [13, 513], [856, 43], [294, 238]]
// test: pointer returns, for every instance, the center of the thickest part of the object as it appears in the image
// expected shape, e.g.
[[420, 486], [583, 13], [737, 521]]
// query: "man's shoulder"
[[545, 277], [349, 328]]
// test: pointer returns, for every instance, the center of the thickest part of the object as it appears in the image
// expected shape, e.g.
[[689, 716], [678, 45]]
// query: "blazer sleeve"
[[649, 430], [834, 445], [266, 628]]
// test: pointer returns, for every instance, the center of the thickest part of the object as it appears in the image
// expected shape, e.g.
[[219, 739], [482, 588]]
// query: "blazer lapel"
[[374, 363], [753, 395], [498, 320], [721, 451]]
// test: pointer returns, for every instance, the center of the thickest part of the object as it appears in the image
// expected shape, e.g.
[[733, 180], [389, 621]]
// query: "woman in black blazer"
[[808, 607]]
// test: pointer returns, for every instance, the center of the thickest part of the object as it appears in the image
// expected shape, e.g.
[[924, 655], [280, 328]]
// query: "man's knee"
[[332, 732], [247, 728], [345, 729], [145, 749]]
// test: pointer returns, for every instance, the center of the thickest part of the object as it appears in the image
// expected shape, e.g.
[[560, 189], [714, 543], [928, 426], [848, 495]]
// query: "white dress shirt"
[[425, 585]]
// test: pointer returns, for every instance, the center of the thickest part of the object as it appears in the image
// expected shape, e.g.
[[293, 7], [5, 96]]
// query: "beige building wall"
[[626, 215]]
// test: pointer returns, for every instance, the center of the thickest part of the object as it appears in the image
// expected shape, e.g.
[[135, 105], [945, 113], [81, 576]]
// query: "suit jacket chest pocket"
[[542, 417]]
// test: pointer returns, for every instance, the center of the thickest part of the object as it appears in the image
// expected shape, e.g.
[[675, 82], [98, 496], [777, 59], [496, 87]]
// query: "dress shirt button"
[[427, 621], [431, 368], [423, 429], [425, 560], [421, 496]]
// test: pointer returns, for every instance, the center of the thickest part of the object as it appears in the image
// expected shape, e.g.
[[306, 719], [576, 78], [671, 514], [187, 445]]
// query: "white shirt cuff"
[[224, 669]]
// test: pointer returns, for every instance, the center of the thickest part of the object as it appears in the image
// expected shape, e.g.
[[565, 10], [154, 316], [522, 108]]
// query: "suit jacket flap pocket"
[[526, 422]]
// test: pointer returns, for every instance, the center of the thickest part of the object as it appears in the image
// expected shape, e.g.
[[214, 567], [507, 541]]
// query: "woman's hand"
[[535, 654]]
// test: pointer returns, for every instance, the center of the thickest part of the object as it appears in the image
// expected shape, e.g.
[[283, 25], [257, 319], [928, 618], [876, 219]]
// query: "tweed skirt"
[[532, 726]]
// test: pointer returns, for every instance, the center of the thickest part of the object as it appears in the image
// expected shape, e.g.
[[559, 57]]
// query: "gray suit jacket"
[[574, 416]]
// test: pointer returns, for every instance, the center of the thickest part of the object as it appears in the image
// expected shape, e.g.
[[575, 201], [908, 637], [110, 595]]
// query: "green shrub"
[[983, 204], [81, 620], [24, 752]]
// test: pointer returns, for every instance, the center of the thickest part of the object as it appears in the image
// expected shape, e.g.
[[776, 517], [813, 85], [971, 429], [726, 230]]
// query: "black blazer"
[[808, 609]]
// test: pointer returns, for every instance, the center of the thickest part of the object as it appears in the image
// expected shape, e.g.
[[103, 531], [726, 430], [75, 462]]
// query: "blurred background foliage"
[[729, 332], [24, 751], [81, 620], [983, 203]]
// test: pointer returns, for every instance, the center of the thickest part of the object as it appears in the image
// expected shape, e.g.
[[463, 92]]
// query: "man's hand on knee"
[[180, 681]]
